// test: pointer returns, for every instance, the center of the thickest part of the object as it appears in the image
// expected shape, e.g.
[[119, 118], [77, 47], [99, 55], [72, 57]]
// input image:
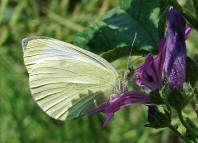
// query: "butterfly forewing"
[[64, 79]]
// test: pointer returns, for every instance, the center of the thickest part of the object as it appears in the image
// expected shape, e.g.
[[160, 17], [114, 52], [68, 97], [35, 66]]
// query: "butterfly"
[[65, 80]]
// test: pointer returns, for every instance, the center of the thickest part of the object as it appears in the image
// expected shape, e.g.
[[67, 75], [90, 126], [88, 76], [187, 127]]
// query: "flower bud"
[[179, 99], [157, 118]]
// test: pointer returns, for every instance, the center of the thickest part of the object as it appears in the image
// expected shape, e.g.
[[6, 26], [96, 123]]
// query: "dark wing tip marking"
[[26, 40]]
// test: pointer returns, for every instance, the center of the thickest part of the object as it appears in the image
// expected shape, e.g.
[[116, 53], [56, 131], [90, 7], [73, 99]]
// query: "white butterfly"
[[67, 81]]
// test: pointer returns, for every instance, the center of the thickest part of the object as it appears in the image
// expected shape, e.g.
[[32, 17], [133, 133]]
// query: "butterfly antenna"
[[127, 76], [135, 35]]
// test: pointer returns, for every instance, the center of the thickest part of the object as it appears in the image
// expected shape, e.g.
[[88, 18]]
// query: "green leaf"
[[114, 35], [191, 71], [155, 97], [175, 99], [195, 59], [147, 13], [195, 2], [179, 99], [162, 22]]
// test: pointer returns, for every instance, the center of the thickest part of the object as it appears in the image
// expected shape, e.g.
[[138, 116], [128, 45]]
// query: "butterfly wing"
[[67, 81]]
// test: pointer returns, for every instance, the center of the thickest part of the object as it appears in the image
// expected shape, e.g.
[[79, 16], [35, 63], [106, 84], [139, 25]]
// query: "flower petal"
[[187, 32], [100, 109], [146, 75], [175, 61], [149, 74], [121, 101], [162, 45], [109, 116]]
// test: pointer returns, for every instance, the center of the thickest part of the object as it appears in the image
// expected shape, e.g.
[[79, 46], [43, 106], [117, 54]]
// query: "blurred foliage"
[[21, 120]]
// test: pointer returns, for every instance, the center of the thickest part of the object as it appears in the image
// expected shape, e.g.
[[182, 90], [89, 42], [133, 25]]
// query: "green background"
[[21, 120]]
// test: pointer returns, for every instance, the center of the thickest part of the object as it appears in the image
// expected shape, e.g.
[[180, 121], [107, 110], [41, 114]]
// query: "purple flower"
[[171, 56], [149, 74], [175, 61], [121, 101]]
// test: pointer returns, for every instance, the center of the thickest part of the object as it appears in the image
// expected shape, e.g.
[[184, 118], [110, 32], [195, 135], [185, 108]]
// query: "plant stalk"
[[186, 124], [178, 133]]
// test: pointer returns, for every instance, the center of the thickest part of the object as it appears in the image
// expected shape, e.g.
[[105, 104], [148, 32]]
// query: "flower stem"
[[178, 133], [194, 107], [186, 124]]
